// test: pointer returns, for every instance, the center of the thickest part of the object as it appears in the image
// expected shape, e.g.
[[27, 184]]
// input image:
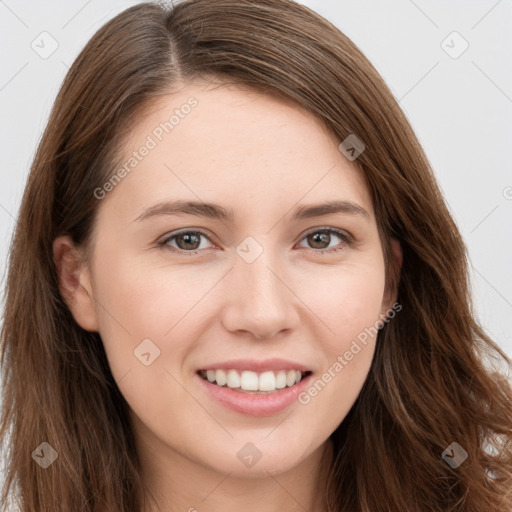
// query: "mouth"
[[255, 388], [255, 383]]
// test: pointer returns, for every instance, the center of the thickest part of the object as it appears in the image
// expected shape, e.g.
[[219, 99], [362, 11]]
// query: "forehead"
[[215, 142]]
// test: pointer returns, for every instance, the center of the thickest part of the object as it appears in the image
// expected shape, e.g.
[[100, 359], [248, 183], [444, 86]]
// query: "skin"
[[261, 156]]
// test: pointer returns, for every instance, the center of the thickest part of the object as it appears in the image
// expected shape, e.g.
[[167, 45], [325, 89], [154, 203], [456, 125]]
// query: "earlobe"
[[75, 283]]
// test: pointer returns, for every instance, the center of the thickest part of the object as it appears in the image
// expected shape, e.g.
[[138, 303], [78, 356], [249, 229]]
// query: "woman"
[[235, 283]]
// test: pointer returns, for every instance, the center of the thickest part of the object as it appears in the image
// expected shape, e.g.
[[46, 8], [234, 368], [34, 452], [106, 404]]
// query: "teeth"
[[233, 380], [281, 380], [221, 378], [248, 381], [267, 381], [252, 381]]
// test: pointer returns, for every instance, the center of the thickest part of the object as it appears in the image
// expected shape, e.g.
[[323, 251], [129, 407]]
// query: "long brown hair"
[[429, 384]]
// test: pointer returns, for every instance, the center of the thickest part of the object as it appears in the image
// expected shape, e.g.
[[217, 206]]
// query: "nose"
[[259, 300]]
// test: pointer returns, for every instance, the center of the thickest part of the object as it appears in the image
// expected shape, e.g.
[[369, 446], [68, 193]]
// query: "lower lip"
[[253, 404]]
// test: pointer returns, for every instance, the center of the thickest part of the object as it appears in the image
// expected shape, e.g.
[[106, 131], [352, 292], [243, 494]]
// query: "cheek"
[[137, 303], [349, 308], [152, 311], [345, 299], [149, 300]]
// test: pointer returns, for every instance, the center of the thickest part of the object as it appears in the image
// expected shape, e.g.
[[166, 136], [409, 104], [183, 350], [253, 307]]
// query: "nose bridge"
[[259, 301]]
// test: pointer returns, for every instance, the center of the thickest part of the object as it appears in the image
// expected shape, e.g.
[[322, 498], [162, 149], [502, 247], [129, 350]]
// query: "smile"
[[250, 381]]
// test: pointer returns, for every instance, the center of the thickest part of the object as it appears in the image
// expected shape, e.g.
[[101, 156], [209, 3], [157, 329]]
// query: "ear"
[[75, 282], [391, 293]]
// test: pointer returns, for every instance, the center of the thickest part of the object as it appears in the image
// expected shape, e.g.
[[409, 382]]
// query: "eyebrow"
[[215, 211]]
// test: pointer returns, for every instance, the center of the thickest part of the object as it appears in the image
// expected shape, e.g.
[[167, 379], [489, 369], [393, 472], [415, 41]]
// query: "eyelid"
[[338, 231]]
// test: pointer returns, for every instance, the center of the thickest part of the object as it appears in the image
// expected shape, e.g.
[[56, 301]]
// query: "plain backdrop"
[[446, 62]]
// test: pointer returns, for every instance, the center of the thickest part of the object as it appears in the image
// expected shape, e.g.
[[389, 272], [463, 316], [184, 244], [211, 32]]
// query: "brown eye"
[[320, 239], [188, 241], [185, 242]]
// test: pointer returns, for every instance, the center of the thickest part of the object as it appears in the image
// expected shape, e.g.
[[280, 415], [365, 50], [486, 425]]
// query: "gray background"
[[459, 105]]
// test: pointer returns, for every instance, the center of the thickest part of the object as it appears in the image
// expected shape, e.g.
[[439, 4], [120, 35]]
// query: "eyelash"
[[346, 241]]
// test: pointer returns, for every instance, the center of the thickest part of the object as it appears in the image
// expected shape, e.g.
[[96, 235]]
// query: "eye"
[[188, 242], [320, 238]]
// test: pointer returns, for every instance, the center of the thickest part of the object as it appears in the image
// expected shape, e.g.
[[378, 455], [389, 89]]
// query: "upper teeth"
[[252, 381]]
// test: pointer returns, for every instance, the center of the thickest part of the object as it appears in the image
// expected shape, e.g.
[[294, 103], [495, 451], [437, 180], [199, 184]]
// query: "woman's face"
[[251, 284]]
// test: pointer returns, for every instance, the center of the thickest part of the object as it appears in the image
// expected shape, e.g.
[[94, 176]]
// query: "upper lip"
[[256, 366]]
